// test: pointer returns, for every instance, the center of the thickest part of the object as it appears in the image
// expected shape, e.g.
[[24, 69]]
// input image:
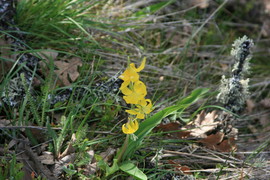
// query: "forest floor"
[[61, 110]]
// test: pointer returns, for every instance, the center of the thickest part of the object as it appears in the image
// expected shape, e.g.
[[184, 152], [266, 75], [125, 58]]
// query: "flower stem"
[[123, 149]]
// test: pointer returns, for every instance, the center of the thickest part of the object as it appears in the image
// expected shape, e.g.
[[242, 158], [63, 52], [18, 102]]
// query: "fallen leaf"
[[216, 142], [33, 175], [46, 158], [48, 54], [108, 155], [12, 143], [267, 5], [91, 169], [70, 149], [200, 3], [224, 67], [204, 123], [250, 105], [212, 139], [68, 71], [91, 153], [265, 121], [227, 145], [174, 126], [265, 103], [179, 167], [5, 122], [58, 167]]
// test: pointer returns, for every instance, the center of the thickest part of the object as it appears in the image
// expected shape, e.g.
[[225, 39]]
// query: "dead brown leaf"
[[216, 142], [204, 123], [227, 145], [108, 155], [70, 149], [265, 103], [5, 122], [267, 6], [200, 3], [58, 167], [91, 168], [37, 165], [179, 167], [46, 158], [68, 70], [48, 54], [250, 105], [174, 126]]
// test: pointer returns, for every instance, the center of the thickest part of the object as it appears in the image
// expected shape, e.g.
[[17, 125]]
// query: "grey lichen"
[[234, 91]]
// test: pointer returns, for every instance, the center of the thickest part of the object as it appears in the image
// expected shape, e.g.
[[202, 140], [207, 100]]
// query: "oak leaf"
[[204, 123], [68, 70]]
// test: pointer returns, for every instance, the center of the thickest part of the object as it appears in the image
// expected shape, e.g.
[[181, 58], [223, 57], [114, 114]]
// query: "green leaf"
[[133, 170], [151, 122], [113, 169], [194, 96], [109, 170], [69, 171]]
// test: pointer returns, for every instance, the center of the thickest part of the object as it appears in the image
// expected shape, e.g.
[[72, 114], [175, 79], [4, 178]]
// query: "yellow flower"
[[131, 127], [131, 73], [144, 107], [135, 93]]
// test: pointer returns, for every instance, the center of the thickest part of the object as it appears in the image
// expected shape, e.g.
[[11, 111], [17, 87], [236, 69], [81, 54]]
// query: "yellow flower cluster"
[[134, 92]]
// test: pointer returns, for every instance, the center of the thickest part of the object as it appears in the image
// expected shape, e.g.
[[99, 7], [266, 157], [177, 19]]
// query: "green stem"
[[123, 149]]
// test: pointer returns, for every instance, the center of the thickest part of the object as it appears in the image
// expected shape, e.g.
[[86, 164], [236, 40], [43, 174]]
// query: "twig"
[[27, 127], [204, 157], [43, 170]]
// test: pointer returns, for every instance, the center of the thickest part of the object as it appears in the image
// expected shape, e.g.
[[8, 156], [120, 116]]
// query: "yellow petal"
[[140, 115], [131, 127], [130, 74], [141, 67], [133, 98], [140, 88], [124, 89], [131, 111]]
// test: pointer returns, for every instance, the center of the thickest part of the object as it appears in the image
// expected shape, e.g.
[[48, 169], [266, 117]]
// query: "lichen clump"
[[234, 90]]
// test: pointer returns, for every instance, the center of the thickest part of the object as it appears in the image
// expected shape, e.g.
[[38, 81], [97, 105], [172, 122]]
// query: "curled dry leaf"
[[58, 167], [91, 167], [68, 70], [70, 149], [204, 123]]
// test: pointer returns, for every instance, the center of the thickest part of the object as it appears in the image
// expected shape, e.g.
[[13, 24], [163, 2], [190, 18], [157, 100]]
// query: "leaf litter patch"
[[204, 129]]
